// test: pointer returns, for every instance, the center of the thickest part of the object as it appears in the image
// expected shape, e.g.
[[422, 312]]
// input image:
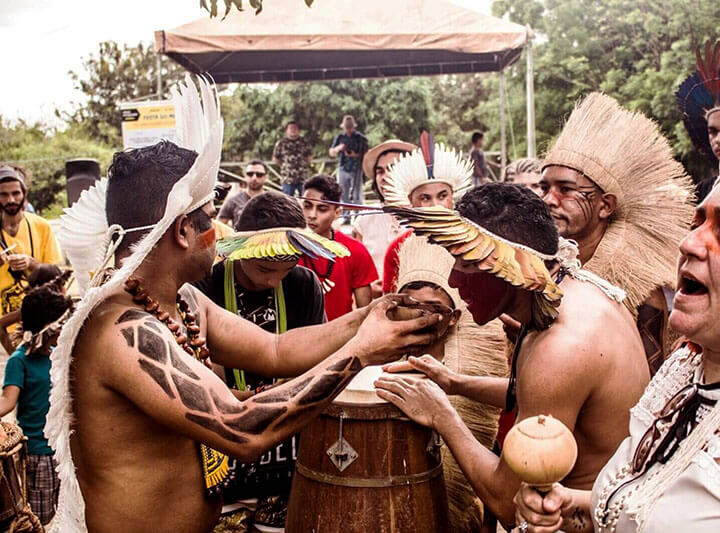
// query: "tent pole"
[[530, 96], [503, 140]]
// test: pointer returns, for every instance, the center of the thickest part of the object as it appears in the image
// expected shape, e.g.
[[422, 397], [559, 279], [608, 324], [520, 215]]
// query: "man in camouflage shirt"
[[293, 153]]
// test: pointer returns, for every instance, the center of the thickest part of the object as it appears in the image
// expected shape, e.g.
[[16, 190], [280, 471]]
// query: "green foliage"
[[638, 51], [255, 116], [211, 6], [117, 74], [43, 154]]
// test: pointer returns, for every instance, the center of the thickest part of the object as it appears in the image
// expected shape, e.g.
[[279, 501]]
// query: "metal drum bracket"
[[342, 454]]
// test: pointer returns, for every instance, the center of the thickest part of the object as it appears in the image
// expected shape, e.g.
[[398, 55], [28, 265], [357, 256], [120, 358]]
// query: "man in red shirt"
[[348, 277], [412, 182]]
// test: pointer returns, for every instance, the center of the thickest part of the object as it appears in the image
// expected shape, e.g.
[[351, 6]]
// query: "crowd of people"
[[204, 340]]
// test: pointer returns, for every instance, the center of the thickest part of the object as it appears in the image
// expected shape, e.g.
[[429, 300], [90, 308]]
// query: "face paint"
[[207, 238], [573, 200], [484, 293]]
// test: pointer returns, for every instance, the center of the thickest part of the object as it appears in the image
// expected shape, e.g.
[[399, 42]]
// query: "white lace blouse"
[[692, 502]]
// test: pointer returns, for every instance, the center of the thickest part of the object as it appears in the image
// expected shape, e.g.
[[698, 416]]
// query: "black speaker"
[[81, 174]]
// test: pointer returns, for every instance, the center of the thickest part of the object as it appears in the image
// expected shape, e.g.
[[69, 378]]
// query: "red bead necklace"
[[190, 340]]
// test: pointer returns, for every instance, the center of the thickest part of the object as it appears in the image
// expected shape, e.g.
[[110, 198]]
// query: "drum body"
[[363, 466], [13, 456]]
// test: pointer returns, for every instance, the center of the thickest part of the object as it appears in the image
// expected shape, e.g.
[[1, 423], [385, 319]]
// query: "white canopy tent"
[[349, 39]]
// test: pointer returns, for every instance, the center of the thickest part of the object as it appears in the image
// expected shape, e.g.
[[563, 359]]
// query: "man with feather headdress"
[[698, 99], [508, 259], [131, 399], [612, 185]]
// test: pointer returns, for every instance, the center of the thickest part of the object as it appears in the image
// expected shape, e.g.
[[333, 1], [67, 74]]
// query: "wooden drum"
[[363, 466]]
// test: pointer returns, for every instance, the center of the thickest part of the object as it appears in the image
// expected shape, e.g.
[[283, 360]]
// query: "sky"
[[41, 40]]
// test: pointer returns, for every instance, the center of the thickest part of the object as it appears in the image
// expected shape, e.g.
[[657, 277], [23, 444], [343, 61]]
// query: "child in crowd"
[[27, 385], [349, 277]]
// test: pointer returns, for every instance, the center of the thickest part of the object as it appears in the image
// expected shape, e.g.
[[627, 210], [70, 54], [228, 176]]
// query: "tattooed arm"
[[237, 343], [560, 509], [164, 382]]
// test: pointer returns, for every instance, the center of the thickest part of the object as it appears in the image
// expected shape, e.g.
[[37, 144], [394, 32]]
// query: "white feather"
[[410, 172], [81, 232], [200, 128]]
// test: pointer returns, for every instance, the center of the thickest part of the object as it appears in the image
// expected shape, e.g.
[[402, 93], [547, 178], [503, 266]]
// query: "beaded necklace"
[[215, 465], [190, 340]]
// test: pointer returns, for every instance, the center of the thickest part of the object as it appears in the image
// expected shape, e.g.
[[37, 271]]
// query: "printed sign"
[[145, 123]]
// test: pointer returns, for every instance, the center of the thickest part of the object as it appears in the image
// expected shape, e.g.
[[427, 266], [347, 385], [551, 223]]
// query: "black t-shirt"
[[304, 306]]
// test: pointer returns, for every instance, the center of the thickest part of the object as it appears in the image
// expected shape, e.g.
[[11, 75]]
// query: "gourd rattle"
[[541, 451]]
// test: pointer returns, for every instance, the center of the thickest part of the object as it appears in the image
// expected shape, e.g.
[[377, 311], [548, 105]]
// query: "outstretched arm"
[[489, 390], [152, 371], [237, 343]]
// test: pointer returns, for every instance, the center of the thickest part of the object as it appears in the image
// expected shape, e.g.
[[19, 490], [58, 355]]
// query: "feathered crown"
[[83, 231], [428, 163], [699, 95], [517, 264], [625, 154], [421, 261], [280, 244], [200, 128], [514, 263]]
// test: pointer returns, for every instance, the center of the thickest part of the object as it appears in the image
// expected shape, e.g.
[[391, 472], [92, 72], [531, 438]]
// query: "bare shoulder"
[[587, 308], [114, 326], [588, 325], [195, 299]]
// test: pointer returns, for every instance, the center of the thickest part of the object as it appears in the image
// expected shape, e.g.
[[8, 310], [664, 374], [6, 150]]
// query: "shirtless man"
[[141, 404], [613, 186], [574, 370]]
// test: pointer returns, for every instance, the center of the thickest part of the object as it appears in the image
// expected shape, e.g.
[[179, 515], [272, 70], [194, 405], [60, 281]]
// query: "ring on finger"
[[523, 527]]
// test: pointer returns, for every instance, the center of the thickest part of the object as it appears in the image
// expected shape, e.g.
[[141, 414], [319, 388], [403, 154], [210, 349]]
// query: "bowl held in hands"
[[541, 451]]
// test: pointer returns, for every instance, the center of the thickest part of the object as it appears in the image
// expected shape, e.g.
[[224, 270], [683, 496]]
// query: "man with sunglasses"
[[255, 177]]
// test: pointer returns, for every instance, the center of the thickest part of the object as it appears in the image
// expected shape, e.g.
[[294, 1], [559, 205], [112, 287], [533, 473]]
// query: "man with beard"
[[612, 185], [27, 240], [502, 237], [255, 177], [139, 424]]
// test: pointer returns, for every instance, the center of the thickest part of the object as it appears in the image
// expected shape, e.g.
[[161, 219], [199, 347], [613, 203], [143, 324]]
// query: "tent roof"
[[342, 39]]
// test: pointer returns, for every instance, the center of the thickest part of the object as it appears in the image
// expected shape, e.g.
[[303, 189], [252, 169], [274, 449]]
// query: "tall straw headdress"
[[200, 128], [470, 350], [625, 154]]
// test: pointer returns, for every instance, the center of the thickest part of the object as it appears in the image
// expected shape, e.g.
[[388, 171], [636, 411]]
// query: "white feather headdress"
[[410, 171], [84, 227]]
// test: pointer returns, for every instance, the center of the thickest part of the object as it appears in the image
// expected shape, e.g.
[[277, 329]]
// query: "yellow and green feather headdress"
[[280, 244]]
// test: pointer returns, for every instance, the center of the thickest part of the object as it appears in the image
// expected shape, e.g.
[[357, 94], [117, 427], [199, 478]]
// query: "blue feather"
[[308, 247]]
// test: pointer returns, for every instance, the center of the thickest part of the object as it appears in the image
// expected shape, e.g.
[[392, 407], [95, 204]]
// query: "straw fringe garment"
[[471, 350]]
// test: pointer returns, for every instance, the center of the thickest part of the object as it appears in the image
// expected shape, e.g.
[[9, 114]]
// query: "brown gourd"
[[541, 451]]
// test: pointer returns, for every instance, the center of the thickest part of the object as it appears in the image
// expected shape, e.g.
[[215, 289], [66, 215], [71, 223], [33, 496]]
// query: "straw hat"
[[371, 156]]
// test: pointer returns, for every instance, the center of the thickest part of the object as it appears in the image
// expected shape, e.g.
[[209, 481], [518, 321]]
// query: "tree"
[[255, 116], [116, 74], [257, 5], [43, 153], [638, 51]]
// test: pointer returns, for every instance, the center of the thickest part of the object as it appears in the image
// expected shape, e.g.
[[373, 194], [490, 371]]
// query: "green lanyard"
[[231, 305]]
